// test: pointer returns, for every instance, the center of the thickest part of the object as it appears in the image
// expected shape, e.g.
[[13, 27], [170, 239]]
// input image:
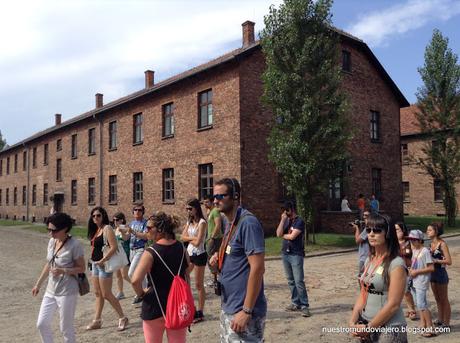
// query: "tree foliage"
[[302, 87], [439, 117], [2, 141]]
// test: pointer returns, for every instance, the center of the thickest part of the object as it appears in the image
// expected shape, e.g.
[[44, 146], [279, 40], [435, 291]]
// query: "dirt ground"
[[332, 290]]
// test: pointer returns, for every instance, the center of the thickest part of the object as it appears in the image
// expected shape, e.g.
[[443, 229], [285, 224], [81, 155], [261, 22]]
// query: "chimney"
[[149, 78], [99, 100], [57, 119], [248, 33]]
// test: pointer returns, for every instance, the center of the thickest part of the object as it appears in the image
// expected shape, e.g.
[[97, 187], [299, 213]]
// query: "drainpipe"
[[28, 182], [101, 160]]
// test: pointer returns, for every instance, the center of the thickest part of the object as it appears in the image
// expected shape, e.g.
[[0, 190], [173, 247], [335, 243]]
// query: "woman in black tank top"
[[161, 229]]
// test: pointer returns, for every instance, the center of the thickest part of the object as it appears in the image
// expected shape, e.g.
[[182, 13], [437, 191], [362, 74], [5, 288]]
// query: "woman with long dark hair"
[[195, 234], [383, 285], [405, 251], [166, 252], [98, 227]]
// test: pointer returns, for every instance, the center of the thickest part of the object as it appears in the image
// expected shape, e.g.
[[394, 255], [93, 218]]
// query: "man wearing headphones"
[[137, 241], [240, 261]]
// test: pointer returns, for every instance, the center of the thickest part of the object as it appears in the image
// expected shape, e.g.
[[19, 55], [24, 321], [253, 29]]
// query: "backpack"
[[180, 308]]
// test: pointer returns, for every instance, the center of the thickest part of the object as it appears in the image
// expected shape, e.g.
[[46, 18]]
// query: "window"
[[34, 157], [24, 161], [24, 195], [375, 126], [15, 163], [15, 196], [168, 120], [168, 185], [437, 190], [112, 135], [406, 193], [45, 154], [138, 133], [377, 182], [405, 153], [91, 190], [7, 197], [73, 192], [335, 189], [45, 194], [112, 189], [138, 190], [34, 195], [59, 145], [205, 109], [91, 141], [58, 169], [7, 166], [205, 180], [73, 152], [346, 61]]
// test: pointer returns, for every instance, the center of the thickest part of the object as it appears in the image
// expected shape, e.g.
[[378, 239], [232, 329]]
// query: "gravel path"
[[332, 291]]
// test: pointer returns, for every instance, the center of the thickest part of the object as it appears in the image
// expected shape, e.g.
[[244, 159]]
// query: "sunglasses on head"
[[374, 230], [97, 215], [219, 196]]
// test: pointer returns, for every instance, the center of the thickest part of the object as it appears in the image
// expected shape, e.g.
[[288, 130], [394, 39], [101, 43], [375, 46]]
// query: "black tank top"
[[96, 254], [172, 255]]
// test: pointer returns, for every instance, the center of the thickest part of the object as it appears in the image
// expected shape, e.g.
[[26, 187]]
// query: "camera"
[[356, 222], [217, 288]]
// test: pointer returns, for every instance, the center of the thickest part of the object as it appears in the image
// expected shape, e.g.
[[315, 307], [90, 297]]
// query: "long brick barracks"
[[171, 140]]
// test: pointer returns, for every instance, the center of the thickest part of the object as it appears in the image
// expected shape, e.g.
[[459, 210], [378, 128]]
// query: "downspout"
[[101, 183], [28, 182]]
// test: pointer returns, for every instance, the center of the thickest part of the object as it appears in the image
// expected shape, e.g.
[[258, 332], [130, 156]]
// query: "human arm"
[[358, 236], [196, 241], [138, 234], [254, 284], [428, 269], [217, 226], [43, 275], [144, 267], [447, 260], [112, 242], [292, 235], [280, 228], [79, 267]]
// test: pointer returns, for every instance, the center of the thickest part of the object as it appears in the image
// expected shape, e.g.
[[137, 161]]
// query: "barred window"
[[375, 126], [168, 185], [112, 189], [205, 180], [168, 120], [205, 109], [138, 189], [73, 192], [112, 135], [91, 190], [138, 133]]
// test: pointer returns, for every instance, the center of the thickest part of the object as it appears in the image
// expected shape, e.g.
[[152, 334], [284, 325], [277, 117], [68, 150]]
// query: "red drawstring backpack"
[[180, 308]]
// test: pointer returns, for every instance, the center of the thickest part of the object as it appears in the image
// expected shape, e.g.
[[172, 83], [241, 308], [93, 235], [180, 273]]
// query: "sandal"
[[429, 334], [122, 323], [437, 322], [413, 315], [95, 324]]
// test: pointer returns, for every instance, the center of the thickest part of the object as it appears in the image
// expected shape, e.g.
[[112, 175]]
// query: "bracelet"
[[247, 311]]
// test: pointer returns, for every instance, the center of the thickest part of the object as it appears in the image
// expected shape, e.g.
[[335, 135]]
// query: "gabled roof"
[[408, 121], [226, 58]]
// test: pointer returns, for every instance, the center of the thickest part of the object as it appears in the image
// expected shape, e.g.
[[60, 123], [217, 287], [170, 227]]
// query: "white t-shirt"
[[345, 206], [420, 260], [64, 284], [192, 231]]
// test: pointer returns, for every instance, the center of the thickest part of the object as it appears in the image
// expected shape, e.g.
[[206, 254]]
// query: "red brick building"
[[422, 195], [173, 139]]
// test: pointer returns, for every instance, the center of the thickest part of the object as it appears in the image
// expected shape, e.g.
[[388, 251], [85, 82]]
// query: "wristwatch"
[[247, 311]]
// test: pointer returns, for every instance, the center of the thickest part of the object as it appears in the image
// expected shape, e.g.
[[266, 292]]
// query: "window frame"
[[346, 61], [138, 125], [34, 157], [375, 132], [74, 146], [91, 190], [206, 104], [15, 196], [138, 187], [45, 154], [208, 176], [16, 161], [59, 144], [437, 191], [59, 170], [34, 195], [74, 192], [24, 160], [167, 111], [406, 191], [113, 131], [24, 195], [168, 193], [92, 141], [376, 182], [45, 194], [113, 189]]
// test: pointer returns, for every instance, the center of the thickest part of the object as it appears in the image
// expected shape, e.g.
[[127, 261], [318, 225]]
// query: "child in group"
[[420, 270]]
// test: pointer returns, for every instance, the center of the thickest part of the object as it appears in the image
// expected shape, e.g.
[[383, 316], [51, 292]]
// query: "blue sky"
[[57, 54]]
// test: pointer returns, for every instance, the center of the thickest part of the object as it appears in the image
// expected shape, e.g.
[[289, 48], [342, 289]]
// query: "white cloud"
[[377, 28]]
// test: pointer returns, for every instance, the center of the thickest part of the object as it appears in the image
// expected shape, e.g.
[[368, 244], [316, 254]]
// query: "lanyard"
[[365, 286], [227, 238], [414, 260], [52, 261]]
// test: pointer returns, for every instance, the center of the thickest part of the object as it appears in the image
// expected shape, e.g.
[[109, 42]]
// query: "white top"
[[420, 259], [192, 231], [345, 206]]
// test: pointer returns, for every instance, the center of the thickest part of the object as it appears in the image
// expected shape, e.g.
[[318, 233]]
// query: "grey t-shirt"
[[64, 284], [420, 260], [363, 248], [375, 302]]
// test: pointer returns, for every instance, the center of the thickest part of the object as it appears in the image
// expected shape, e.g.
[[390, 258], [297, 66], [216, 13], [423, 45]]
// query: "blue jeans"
[[293, 268]]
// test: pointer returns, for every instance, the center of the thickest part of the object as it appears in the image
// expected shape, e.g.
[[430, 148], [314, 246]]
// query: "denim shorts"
[[98, 271], [419, 295]]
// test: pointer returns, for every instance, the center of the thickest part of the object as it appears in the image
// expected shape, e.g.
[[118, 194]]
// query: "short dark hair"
[[289, 205], [60, 220], [92, 227], [233, 186], [139, 204], [120, 216], [439, 227]]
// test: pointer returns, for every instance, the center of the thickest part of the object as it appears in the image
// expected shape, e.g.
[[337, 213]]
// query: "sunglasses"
[[189, 208], [137, 210], [97, 215], [219, 196], [374, 230], [53, 230], [149, 228]]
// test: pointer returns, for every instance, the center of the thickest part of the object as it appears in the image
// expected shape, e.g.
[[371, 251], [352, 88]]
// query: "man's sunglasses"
[[149, 228], [374, 230], [53, 230], [219, 196], [137, 210]]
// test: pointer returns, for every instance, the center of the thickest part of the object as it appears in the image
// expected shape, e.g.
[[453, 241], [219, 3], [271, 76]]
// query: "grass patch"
[[324, 241], [421, 223], [77, 231]]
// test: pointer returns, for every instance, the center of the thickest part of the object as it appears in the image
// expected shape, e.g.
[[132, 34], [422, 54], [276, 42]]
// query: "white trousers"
[[66, 305], [135, 257]]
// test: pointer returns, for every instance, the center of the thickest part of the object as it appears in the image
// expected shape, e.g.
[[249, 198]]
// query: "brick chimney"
[[57, 119], [248, 33], [149, 78], [99, 100]]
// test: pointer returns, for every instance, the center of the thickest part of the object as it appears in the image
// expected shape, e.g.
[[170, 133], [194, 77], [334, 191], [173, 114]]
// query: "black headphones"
[[385, 219], [235, 195]]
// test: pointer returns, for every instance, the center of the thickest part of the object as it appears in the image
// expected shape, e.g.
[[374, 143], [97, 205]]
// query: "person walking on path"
[[439, 279], [65, 260], [98, 228], [241, 261], [214, 239], [292, 229], [121, 232]]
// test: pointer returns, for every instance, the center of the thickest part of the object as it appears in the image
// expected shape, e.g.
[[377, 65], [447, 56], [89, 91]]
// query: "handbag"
[[83, 283], [118, 260]]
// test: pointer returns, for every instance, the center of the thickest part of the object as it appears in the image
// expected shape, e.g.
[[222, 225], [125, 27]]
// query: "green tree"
[[302, 88], [438, 116], [2, 141]]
